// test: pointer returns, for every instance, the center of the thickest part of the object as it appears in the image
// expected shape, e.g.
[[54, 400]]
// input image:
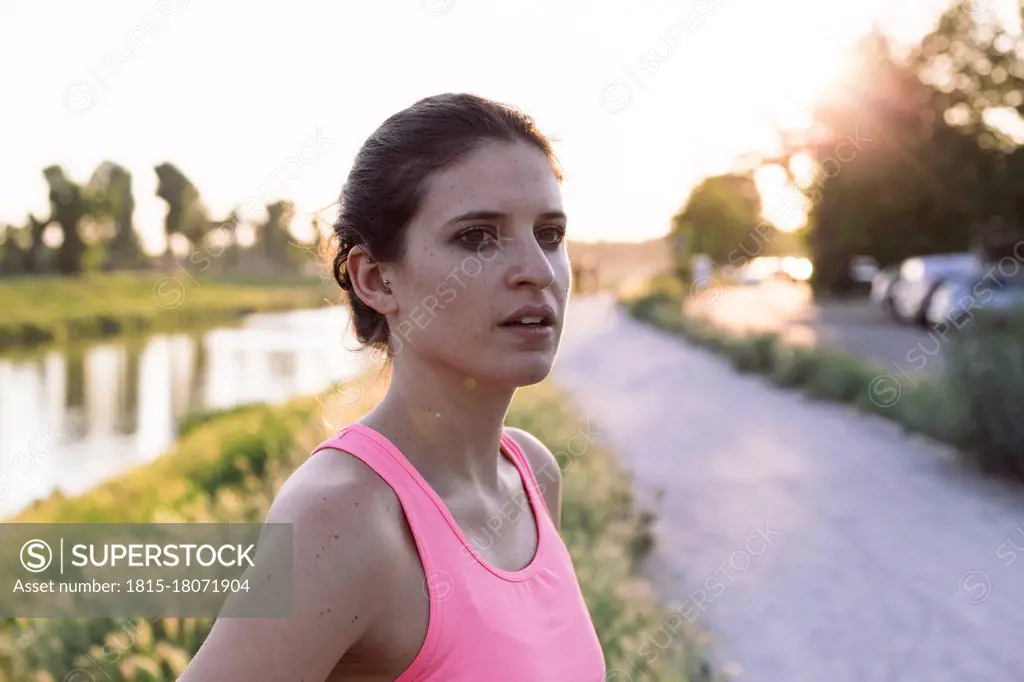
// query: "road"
[[813, 541], [854, 325]]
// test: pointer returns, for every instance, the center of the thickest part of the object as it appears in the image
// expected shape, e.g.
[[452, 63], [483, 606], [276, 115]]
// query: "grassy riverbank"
[[228, 467], [47, 310]]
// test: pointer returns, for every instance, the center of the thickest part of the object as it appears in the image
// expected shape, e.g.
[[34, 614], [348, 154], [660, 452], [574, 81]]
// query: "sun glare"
[[782, 204], [781, 61]]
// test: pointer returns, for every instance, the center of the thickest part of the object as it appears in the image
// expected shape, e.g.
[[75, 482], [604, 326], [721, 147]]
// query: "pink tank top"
[[486, 623]]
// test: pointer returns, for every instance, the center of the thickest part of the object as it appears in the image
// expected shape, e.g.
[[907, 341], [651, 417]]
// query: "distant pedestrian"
[[595, 278], [585, 273], [701, 271]]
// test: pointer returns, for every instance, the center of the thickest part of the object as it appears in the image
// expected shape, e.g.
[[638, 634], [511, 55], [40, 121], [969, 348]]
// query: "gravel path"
[[813, 542]]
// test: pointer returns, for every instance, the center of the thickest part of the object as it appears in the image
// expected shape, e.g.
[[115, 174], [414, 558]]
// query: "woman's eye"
[[551, 235], [476, 238]]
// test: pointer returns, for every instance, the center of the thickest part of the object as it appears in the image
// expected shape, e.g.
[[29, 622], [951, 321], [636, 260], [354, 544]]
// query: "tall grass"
[[986, 363], [228, 467]]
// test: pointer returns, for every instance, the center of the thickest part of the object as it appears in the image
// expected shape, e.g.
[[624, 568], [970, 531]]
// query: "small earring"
[[387, 286]]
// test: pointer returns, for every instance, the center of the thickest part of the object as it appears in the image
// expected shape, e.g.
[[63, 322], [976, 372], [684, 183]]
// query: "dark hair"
[[388, 180]]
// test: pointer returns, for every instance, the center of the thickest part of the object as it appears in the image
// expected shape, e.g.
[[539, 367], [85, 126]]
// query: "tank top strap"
[[362, 444], [533, 487]]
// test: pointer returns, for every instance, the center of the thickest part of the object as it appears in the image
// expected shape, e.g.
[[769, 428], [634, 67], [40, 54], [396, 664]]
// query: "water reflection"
[[70, 419]]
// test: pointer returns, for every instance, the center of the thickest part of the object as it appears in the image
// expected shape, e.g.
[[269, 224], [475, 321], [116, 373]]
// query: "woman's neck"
[[447, 424]]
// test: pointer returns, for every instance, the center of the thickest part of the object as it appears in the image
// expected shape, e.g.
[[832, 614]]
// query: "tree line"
[[94, 228], [911, 155]]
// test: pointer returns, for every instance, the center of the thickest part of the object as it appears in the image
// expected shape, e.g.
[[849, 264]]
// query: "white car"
[[956, 299], [919, 277], [882, 287], [759, 269], [863, 269]]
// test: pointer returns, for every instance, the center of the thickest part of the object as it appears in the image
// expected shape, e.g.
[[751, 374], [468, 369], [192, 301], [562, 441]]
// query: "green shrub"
[[926, 406], [651, 308], [840, 376], [661, 287], [740, 353], [985, 365], [794, 365], [197, 418], [754, 353], [706, 335], [259, 433]]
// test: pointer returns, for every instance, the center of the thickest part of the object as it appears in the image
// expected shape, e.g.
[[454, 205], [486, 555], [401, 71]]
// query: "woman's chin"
[[512, 370], [529, 373]]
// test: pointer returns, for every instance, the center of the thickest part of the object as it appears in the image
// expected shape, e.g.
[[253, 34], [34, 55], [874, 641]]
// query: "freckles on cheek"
[[437, 292]]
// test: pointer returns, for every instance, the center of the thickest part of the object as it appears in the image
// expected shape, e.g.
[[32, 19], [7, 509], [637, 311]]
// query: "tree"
[[976, 68], [68, 206], [719, 219], [226, 233], [111, 191], [36, 254], [12, 250], [307, 256], [273, 236], [974, 65], [186, 214], [896, 173]]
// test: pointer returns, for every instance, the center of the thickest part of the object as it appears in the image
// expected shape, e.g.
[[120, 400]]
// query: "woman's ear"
[[368, 281]]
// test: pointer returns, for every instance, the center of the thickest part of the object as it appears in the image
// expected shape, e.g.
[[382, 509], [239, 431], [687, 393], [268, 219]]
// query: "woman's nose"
[[530, 265]]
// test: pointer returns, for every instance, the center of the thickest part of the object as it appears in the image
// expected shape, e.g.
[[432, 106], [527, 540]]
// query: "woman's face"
[[487, 241]]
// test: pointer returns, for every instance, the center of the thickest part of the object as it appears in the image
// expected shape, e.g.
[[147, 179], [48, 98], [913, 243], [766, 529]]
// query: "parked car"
[[797, 268], [956, 299], [863, 270], [882, 287], [919, 277], [760, 269]]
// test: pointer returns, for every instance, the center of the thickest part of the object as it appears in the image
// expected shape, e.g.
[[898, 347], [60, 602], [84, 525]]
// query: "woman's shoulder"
[[537, 453], [544, 467], [334, 495], [341, 576], [333, 477]]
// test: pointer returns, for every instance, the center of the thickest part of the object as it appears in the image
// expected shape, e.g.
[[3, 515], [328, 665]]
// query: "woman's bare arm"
[[339, 569]]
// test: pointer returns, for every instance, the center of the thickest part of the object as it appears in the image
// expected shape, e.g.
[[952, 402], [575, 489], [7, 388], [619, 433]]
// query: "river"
[[70, 419]]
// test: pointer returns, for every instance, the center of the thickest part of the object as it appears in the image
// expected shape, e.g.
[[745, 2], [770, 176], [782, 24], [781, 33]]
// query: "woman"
[[426, 543]]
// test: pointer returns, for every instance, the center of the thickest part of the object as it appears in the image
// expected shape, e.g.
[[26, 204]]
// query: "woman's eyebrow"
[[498, 215], [553, 215], [478, 215]]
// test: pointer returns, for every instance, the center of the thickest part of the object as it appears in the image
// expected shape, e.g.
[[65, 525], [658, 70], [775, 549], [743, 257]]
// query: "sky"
[[258, 102]]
